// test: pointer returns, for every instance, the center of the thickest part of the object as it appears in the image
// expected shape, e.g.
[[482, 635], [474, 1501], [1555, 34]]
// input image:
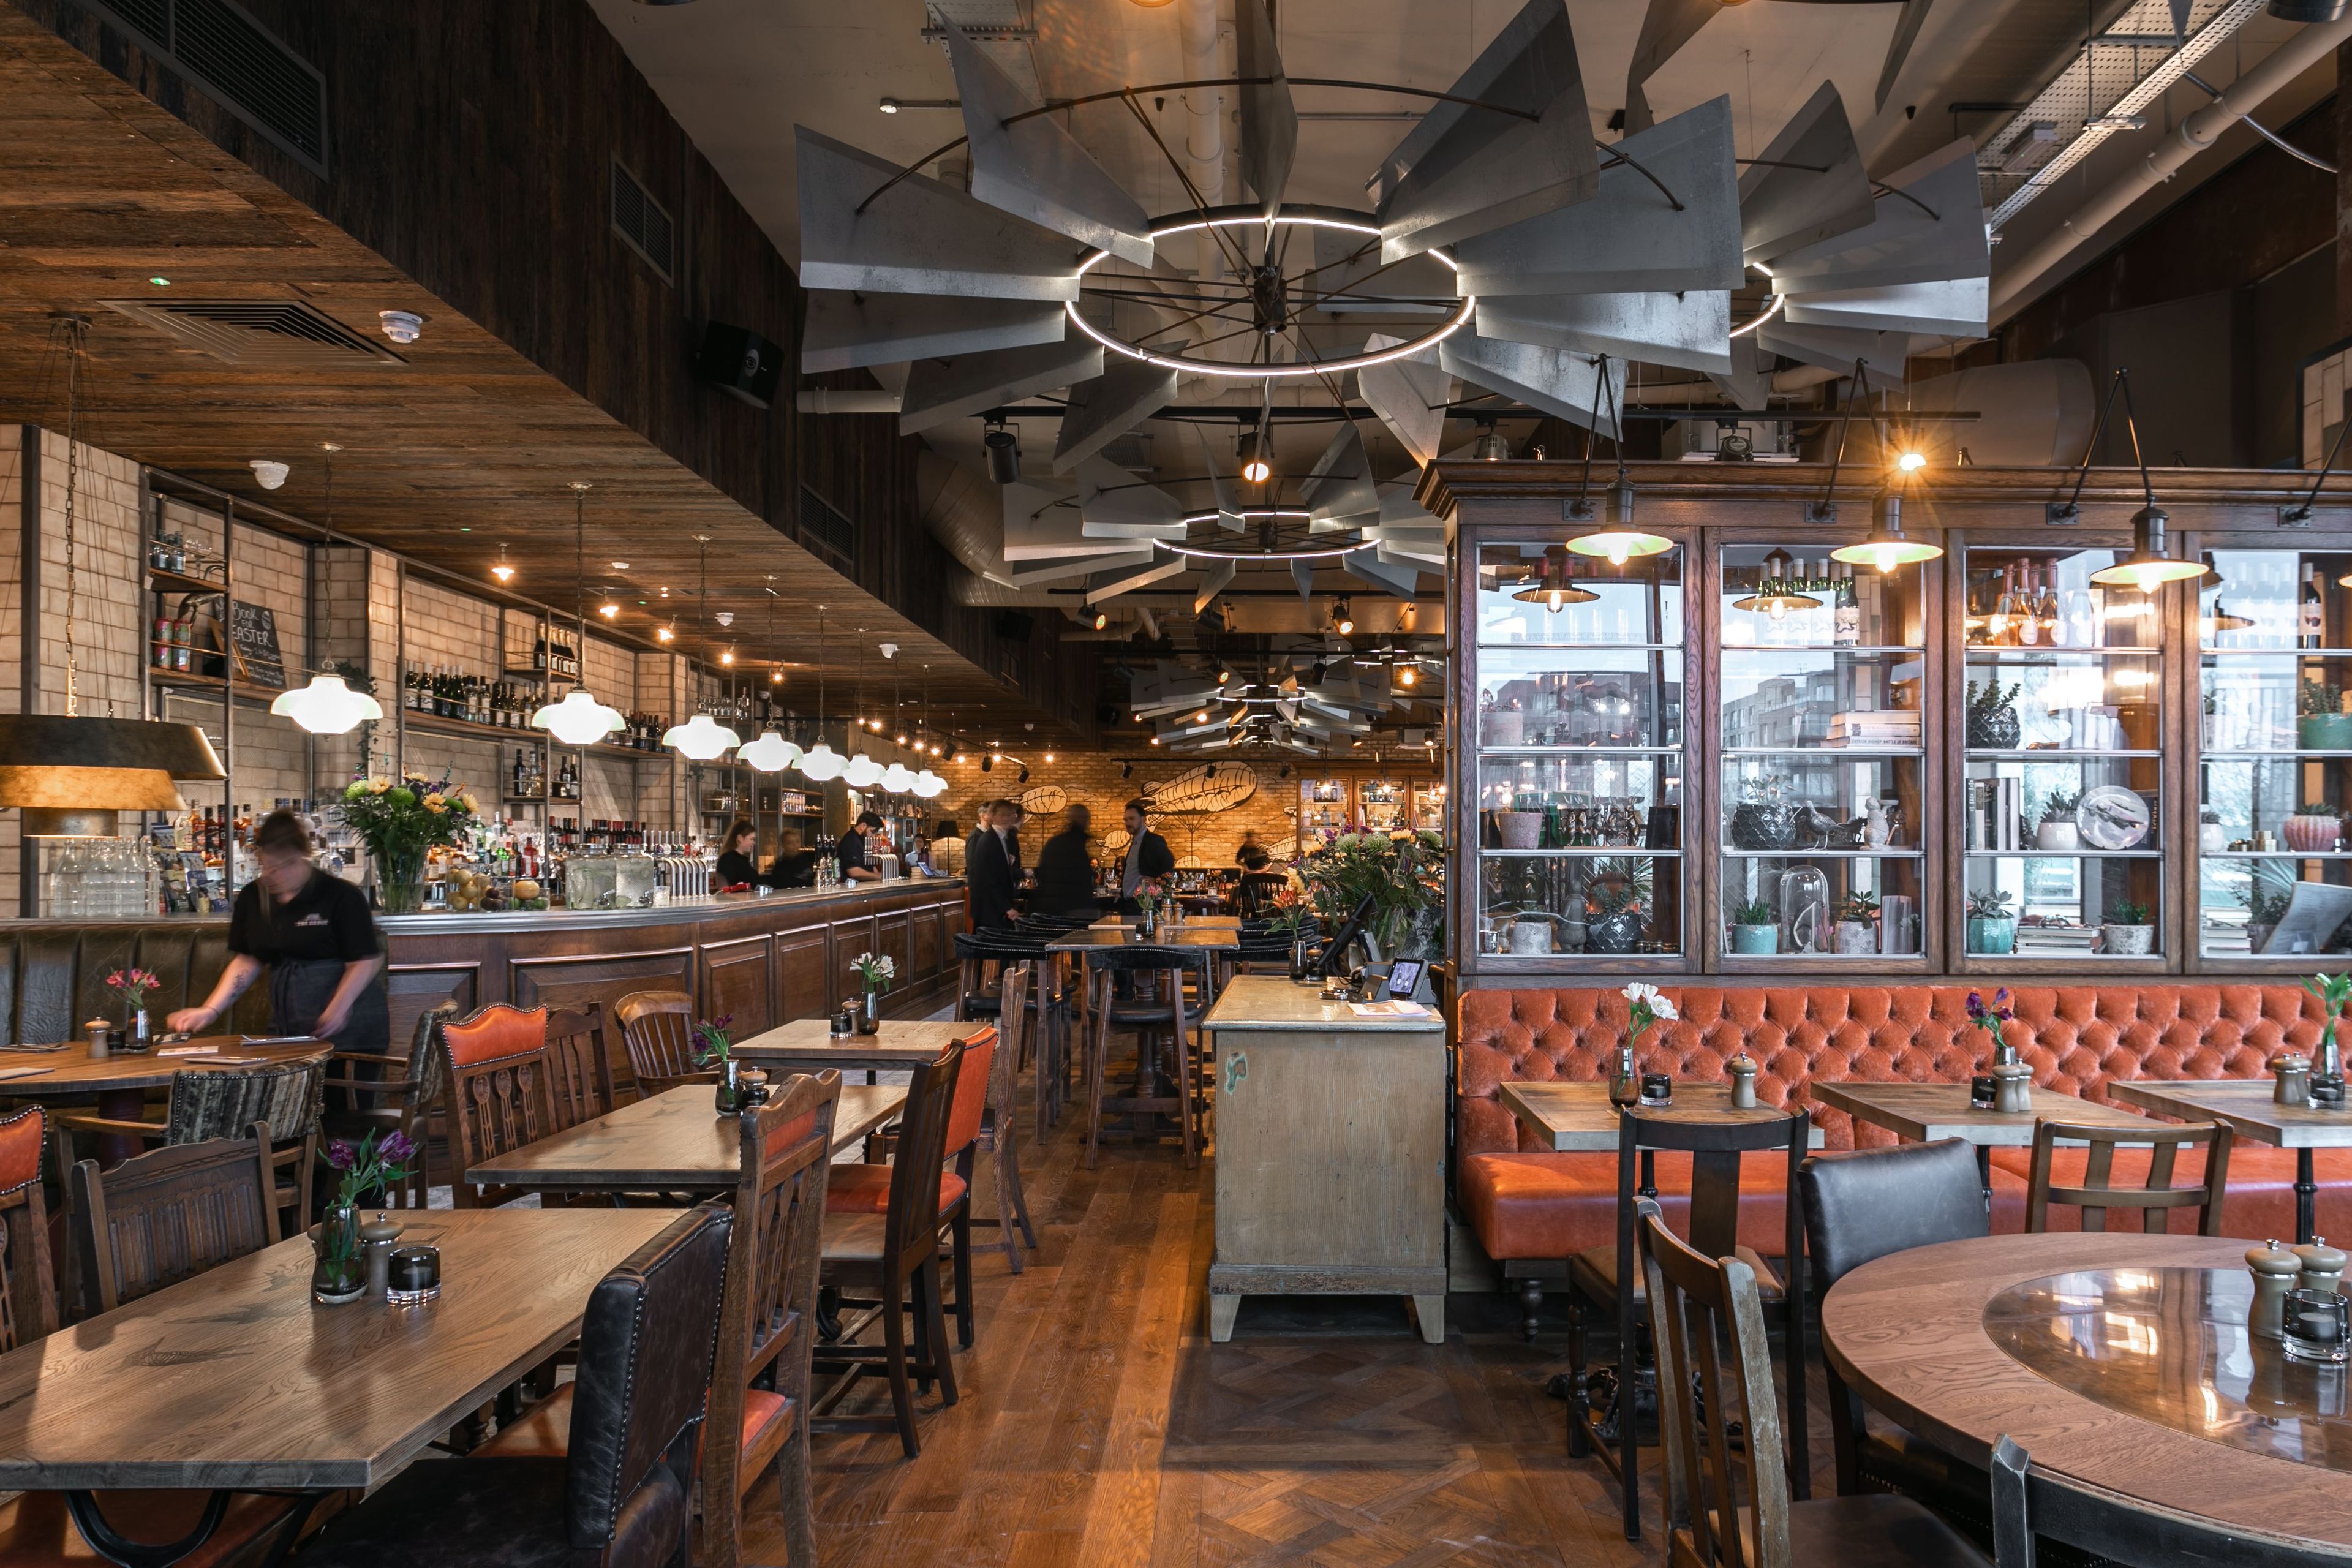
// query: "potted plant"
[[878, 973], [2314, 829], [2058, 830], [2262, 913], [2213, 838], [2321, 724], [1402, 872], [714, 1048], [1613, 903], [1521, 826], [368, 1167], [1753, 929], [1992, 716], [1857, 923], [2126, 934], [1992, 924], [401, 824]]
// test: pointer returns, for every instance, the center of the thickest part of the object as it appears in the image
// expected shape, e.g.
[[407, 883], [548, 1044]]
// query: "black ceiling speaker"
[[1014, 626], [739, 363]]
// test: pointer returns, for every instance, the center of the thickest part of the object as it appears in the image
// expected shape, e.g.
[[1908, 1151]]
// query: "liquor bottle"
[[2028, 619], [538, 654], [1847, 611], [2311, 613]]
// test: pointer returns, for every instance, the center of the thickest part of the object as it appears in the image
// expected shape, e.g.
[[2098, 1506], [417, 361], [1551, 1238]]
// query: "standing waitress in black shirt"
[[315, 934]]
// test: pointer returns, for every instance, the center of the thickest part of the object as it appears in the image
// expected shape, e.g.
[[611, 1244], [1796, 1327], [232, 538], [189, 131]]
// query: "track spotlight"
[[1254, 467], [1101, 620], [1490, 446], [987, 764], [1127, 770], [1343, 618], [1024, 776], [1003, 444]]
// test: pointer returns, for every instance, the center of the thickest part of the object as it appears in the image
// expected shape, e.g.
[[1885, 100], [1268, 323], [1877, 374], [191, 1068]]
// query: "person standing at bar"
[[1148, 857], [1010, 816], [1066, 875], [314, 935], [795, 867], [738, 867], [856, 850], [988, 872]]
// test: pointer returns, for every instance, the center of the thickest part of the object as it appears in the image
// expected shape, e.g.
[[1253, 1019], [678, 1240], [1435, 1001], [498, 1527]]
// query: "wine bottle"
[[2311, 613]]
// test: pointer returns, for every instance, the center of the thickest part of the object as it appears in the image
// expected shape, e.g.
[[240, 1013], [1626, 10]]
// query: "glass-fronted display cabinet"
[[1820, 805], [2061, 812], [1577, 752], [2274, 754]]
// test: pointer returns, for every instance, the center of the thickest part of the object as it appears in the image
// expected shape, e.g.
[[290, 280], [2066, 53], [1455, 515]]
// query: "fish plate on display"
[[1117, 841], [1212, 786], [1045, 799]]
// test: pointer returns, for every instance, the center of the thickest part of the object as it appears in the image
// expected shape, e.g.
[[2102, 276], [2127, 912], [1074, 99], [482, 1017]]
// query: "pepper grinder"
[[2275, 1270], [1742, 1068], [2322, 1266], [2291, 1071], [378, 1237]]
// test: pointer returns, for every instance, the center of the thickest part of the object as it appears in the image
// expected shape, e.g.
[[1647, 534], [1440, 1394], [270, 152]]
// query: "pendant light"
[[91, 768], [1775, 594], [1887, 547], [328, 706], [822, 763], [579, 720], [701, 739], [927, 784], [2150, 565], [771, 754], [1620, 541], [1553, 589], [861, 772]]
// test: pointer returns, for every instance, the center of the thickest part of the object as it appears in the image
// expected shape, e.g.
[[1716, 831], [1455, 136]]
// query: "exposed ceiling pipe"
[[1204, 139], [847, 400], [2191, 136]]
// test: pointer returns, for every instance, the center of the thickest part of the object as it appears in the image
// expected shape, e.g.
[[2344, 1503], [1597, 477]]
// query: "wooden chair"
[[28, 1298], [2099, 1192], [998, 1136], [371, 1101], [169, 1214], [495, 1069], [579, 1074], [1729, 1506], [1611, 1276], [892, 1248], [657, 1028], [1162, 1016], [2032, 1507], [760, 1385], [208, 1104]]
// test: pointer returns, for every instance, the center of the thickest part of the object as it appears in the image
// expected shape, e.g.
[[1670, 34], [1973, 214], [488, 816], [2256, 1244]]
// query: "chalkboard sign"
[[253, 637]]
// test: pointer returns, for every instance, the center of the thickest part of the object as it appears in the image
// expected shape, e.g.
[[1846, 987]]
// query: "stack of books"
[[1885, 727]]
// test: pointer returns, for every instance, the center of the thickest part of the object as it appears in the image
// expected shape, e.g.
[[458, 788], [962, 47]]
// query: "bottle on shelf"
[[2311, 611], [2027, 617], [1846, 610]]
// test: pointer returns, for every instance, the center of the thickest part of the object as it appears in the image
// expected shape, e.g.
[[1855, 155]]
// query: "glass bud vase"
[[134, 1029], [730, 1089], [340, 1273], [869, 1013]]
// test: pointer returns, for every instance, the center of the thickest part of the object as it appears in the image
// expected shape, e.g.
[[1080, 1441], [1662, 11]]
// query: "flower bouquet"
[[878, 973], [368, 1169], [133, 986], [400, 824]]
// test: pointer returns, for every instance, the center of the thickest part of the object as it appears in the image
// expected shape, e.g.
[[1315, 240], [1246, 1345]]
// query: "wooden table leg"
[[1984, 1179], [119, 1105]]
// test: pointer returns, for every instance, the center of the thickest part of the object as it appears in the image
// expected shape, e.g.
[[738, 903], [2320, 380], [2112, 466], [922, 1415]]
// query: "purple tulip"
[[397, 1147], [342, 1155]]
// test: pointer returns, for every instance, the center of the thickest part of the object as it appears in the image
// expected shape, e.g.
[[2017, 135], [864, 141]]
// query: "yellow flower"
[[465, 798], [432, 802], [378, 784]]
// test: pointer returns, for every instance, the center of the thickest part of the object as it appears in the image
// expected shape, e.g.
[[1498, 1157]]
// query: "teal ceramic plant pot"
[[1756, 939], [2323, 731], [1992, 935]]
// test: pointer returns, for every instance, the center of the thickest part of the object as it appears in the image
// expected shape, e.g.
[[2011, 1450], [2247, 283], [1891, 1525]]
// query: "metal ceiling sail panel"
[[847, 328], [1951, 308], [1929, 225], [1302, 572], [1466, 170], [1784, 203], [1748, 381], [1666, 26], [1906, 30], [1043, 525], [940, 390], [1068, 568], [1221, 483], [1115, 505], [1837, 348], [1402, 578], [1340, 485], [1630, 236], [1558, 381], [1214, 580], [1408, 396], [1691, 329], [1111, 584], [1035, 168], [1101, 410], [1399, 512], [1269, 120], [920, 237]]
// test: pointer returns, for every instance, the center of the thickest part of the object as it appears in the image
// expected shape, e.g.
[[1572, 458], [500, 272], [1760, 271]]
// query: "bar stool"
[[1162, 1015]]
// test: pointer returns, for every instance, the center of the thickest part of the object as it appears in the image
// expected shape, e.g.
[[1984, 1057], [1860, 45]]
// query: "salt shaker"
[[2012, 1088], [2275, 1270], [2291, 1078], [1742, 1068], [377, 1237], [2322, 1266]]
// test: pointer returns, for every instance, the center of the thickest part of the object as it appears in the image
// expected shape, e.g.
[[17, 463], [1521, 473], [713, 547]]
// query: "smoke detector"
[[889, 649], [269, 471], [403, 327]]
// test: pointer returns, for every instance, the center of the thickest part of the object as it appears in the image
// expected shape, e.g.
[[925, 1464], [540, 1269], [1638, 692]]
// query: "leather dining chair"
[[657, 1029], [211, 1103], [499, 1100], [623, 1497]]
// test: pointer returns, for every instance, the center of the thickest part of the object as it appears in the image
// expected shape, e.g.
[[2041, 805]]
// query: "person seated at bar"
[[315, 935], [856, 849], [1148, 857], [738, 864], [1066, 875], [795, 866]]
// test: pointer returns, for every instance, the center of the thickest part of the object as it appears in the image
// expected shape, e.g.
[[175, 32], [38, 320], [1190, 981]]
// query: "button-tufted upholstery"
[[53, 974], [1527, 1202]]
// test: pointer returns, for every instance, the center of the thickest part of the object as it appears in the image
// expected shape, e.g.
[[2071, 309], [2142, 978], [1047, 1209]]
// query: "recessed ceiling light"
[[620, 566], [160, 283]]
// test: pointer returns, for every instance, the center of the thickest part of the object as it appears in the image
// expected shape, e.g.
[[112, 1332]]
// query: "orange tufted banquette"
[[1526, 1202]]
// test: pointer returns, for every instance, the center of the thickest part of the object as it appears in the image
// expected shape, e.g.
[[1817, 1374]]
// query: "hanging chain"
[[76, 329]]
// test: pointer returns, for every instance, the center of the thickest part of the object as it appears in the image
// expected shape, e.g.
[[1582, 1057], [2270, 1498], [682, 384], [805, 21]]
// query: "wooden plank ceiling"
[[102, 191]]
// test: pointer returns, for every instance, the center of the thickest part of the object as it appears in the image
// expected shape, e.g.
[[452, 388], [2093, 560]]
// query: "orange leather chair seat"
[[1555, 1206], [865, 1189], [36, 1530]]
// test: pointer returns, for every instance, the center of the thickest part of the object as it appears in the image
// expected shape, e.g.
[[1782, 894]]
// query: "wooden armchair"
[[208, 1104], [169, 1214], [495, 1078], [657, 1027], [579, 1074], [28, 1302], [360, 1098]]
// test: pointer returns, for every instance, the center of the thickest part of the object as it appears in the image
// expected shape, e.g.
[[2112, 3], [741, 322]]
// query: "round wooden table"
[[118, 1082], [2119, 1360]]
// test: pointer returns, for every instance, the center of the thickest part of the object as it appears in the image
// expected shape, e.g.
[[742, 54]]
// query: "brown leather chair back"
[[28, 1303], [171, 1213], [53, 976]]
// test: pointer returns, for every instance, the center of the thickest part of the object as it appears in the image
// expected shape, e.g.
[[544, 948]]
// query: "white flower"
[[1647, 996], [1662, 1008]]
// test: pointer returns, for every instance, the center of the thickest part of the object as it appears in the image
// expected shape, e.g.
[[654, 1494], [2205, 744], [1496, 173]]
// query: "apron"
[[299, 990]]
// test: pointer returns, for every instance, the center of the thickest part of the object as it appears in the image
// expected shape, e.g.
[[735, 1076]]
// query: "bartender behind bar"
[[315, 935]]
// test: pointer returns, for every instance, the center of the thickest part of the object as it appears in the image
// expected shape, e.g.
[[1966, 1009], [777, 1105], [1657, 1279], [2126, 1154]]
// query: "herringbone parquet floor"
[[1099, 1428]]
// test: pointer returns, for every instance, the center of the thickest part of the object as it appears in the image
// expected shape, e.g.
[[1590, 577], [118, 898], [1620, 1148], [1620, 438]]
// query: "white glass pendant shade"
[[822, 763], [579, 720], [700, 739], [863, 772], [327, 706], [929, 784], [896, 779], [771, 754]]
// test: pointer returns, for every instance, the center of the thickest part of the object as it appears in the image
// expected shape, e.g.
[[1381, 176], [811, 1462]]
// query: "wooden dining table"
[[1930, 1112], [2246, 1105], [118, 1082], [809, 1045], [2117, 1360], [233, 1381], [673, 1142]]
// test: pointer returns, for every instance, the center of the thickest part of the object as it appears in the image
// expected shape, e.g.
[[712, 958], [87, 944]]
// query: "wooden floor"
[[1098, 1426]]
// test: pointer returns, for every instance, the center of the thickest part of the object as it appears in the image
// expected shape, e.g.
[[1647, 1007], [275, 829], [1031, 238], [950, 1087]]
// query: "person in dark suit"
[[1065, 874], [1148, 856], [988, 875]]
